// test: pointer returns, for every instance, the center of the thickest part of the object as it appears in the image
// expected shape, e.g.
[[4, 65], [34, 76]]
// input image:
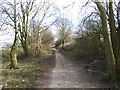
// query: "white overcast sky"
[[71, 12]]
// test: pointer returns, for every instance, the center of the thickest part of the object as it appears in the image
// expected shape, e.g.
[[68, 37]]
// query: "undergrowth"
[[25, 77]]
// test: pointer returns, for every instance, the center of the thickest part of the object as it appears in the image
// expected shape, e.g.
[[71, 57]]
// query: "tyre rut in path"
[[67, 74]]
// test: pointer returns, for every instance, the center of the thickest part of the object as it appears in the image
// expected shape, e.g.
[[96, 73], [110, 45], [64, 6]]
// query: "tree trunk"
[[118, 53], [111, 63], [26, 36], [113, 29], [13, 52], [26, 50], [24, 32], [63, 41]]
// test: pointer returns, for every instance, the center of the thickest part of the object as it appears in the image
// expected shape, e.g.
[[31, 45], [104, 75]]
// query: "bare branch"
[[46, 27], [89, 17], [6, 11]]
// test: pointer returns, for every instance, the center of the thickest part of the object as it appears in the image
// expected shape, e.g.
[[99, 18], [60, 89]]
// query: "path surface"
[[67, 74]]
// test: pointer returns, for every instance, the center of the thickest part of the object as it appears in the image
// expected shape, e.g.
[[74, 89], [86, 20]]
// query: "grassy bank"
[[29, 73], [26, 77]]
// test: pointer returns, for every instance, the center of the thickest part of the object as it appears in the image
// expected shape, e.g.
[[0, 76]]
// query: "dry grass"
[[25, 77]]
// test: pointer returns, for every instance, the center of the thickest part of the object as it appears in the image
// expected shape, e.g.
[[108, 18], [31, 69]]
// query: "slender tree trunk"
[[24, 32], [118, 41], [114, 38], [13, 52], [63, 41], [118, 60], [113, 29], [26, 36], [111, 63]]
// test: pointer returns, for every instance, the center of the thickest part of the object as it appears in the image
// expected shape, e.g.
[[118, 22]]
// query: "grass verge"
[[26, 77]]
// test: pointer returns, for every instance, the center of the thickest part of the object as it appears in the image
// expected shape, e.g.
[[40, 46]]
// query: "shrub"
[[87, 46], [6, 54]]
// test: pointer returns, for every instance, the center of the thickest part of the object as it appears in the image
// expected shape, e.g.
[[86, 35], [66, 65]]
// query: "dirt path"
[[67, 74]]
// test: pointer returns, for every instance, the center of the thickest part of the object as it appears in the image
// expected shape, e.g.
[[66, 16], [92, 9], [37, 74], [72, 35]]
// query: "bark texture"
[[111, 61], [13, 52]]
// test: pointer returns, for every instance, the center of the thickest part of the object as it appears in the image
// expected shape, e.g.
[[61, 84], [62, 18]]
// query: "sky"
[[72, 12]]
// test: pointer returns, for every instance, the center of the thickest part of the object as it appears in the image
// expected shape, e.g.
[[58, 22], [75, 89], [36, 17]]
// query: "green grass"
[[26, 77]]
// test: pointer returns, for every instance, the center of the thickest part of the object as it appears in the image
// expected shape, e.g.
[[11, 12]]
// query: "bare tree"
[[40, 11], [111, 61], [9, 12], [13, 52], [109, 17], [26, 9], [64, 30]]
